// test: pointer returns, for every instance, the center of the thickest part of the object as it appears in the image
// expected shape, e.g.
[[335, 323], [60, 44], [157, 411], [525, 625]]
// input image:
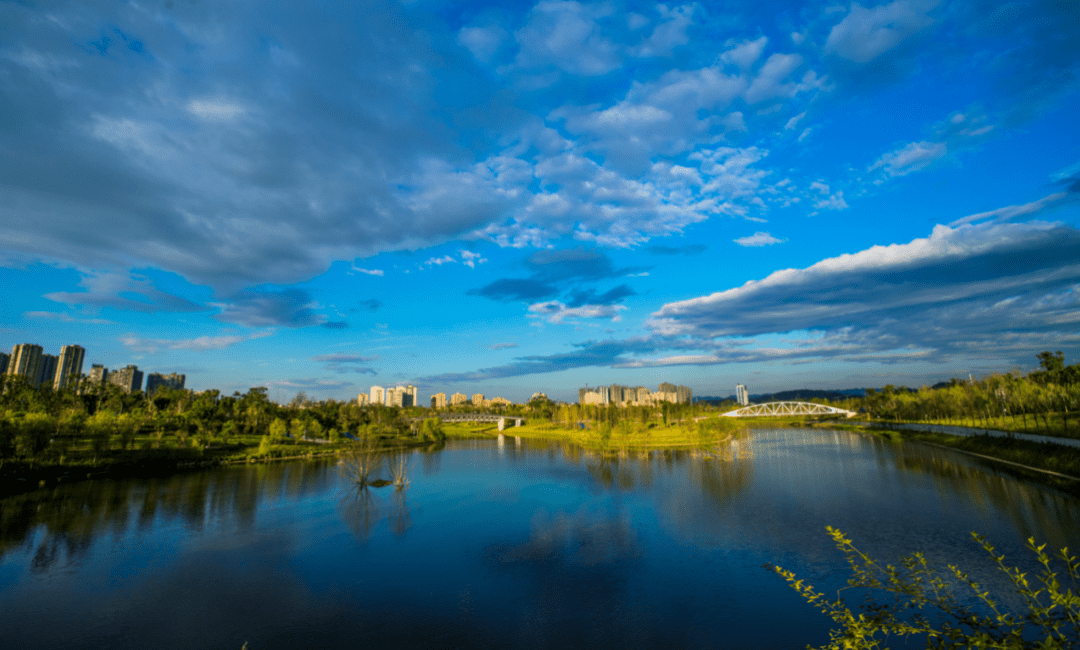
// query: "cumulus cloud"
[[199, 344], [961, 289], [566, 36], [865, 34], [261, 171], [758, 239], [375, 272]]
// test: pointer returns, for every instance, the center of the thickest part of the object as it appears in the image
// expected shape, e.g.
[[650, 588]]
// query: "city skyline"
[[512, 198]]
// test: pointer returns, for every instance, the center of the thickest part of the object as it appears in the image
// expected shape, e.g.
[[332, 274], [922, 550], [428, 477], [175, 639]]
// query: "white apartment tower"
[[378, 395], [740, 395], [69, 367]]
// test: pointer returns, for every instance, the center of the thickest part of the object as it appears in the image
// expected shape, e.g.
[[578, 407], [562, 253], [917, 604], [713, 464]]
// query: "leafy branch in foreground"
[[921, 603]]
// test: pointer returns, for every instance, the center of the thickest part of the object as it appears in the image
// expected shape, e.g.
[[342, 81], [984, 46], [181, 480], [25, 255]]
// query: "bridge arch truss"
[[772, 409]]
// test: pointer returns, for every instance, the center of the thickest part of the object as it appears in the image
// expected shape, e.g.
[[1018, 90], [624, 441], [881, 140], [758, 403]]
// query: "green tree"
[[278, 429]]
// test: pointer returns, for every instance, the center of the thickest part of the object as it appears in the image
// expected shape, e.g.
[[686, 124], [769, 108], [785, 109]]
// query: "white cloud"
[[554, 311], [439, 261], [567, 36], [482, 42], [758, 239], [376, 272], [1013, 211], [471, 259], [833, 202], [745, 54], [991, 288], [216, 110], [198, 344], [911, 158], [794, 121], [669, 34], [865, 34]]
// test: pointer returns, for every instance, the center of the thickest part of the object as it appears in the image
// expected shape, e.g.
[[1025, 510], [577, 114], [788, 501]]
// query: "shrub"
[[922, 603]]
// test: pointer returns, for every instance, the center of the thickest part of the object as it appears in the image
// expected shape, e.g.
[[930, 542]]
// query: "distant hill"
[[793, 395]]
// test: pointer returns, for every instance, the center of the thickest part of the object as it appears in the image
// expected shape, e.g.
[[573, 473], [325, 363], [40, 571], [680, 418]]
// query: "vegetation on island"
[[611, 427], [949, 609]]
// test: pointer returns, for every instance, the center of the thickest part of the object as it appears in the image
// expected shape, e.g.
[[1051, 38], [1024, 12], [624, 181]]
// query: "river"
[[535, 545]]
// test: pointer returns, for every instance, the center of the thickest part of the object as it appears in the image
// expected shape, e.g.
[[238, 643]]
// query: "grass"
[[1053, 425], [635, 436]]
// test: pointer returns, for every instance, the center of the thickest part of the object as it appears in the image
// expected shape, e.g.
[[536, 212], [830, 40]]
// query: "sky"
[[508, 198]]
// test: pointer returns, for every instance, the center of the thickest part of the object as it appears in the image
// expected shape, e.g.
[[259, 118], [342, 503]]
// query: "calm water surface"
[[521, 546]]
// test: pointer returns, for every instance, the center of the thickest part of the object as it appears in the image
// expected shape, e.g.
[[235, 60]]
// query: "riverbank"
[[712, 431], [144, 459]]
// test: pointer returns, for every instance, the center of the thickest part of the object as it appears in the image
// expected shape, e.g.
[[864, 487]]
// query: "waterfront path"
[[969, 431]]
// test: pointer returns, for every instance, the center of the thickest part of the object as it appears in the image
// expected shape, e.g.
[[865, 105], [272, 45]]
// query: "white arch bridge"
[[770, 409], [475, 417]]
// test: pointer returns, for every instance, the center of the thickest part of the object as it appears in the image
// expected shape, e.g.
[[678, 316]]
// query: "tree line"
[[1045, 400]]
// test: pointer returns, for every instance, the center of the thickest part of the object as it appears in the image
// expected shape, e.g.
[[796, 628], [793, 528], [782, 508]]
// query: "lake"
[[526, 545]]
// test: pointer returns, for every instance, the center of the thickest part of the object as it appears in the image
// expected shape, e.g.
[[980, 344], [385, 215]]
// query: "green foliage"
[[264, 445], [278, 429], [334, 435], [432, 429], [922, 604]]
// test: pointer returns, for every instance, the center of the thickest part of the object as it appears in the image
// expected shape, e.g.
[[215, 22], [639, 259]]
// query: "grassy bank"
[[1049, 424], [637, 436]]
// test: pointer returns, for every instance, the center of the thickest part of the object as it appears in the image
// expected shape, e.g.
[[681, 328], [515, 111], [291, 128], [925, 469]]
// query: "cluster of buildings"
[[438, 400], [617, 395], [407, 396], [393, 396], [65, 370]]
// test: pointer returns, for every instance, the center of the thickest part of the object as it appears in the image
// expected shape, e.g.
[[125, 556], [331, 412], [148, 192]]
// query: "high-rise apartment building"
[[69, 367], [438, 401], [46, 370], [98, 374], [740, 395], [128, 378], [478, 399], [155, 381], [378, 395], [458, 398], [25, 361], [362, 399], [4, 358]]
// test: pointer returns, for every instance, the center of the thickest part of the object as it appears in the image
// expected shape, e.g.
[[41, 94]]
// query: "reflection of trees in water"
[[364, 506], [65, 521], [722, 472], [1033, 509]]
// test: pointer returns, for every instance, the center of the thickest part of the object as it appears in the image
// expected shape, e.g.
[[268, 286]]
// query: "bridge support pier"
[[502, 423]]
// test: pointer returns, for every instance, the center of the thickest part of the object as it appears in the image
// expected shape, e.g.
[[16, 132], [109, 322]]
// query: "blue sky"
[[508, 198]]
